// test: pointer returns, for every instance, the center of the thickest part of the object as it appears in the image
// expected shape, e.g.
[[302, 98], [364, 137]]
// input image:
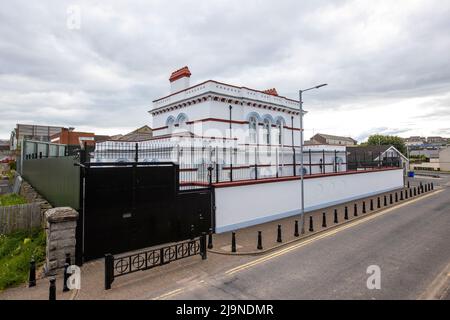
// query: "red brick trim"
[[281, 179]]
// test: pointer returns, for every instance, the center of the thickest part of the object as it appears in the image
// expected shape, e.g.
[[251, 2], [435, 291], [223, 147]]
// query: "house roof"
[[329, 136], [375, 150], [140, 134]]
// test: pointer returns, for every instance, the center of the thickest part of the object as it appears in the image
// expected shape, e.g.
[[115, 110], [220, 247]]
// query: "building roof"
[[101, 138], [180, 73], [332, 137], [140, 134], [372, 149]]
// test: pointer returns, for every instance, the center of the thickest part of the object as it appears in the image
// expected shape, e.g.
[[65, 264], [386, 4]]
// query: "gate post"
[[203, 246], [109, 270]]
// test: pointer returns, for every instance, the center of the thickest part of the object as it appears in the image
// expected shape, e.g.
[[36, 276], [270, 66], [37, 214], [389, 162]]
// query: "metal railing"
[[230, 163], [120, 266]]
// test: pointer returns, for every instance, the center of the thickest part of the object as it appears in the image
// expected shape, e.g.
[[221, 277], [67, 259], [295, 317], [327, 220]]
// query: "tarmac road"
[[410, 245]]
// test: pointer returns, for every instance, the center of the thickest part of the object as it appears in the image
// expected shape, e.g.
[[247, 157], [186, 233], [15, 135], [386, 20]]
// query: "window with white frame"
[[170, 124], [266, 131], [252, 132], [181, 121], [279, 132]]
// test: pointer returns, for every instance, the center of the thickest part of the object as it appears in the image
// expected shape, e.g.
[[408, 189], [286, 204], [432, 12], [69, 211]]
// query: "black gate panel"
[[130, 207]]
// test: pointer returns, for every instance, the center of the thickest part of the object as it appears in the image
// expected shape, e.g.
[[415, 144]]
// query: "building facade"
[[217, 110], [32, 132], [321, 138], [73, 138]]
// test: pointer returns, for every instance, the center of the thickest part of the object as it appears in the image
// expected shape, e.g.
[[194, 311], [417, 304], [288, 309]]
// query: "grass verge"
[[16, 250]]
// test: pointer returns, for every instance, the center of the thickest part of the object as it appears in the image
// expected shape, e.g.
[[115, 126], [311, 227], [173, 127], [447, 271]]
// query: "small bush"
[[11, 199], [16, 251]]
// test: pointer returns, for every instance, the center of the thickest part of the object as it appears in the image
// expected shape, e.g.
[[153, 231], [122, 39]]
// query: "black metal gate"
[[129, 206]]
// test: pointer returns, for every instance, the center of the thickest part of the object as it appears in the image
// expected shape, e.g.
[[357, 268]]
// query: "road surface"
[[409, 244]]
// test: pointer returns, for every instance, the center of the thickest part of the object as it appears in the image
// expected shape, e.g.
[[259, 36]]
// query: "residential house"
[[140, 134], [361, 157]]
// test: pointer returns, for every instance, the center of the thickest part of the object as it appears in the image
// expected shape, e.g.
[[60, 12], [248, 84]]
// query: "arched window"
[[266, 131], [252, 125], [170, 124], [279, 127], [181, 121]]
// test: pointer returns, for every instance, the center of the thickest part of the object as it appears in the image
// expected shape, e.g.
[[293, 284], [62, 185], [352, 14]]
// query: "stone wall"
[[60, 228], [28, 192]]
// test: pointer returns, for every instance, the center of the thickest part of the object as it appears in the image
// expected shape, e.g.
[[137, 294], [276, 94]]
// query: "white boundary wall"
[[246, 205]]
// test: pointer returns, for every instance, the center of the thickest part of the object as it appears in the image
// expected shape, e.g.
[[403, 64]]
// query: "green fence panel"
[[56, 179]]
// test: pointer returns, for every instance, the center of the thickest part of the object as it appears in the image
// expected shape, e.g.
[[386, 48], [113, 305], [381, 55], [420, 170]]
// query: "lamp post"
[[302, 211]]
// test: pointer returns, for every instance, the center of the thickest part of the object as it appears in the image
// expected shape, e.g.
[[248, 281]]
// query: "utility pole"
[[302, 208]]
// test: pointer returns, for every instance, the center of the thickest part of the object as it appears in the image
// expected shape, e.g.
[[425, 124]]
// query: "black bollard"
[[364, 207], [210, 240], [421, 187], [259, 246], [432, 186], [401, 195], [68, 258], [378, 203], [335, 216], [52, 289], [406, 194], [311, 228], [324, 220], [426, 187], [410, 193], [396, 197], [418, 190], [279, 234], [233, 242], [32, 277], [371, 204], [415, 191], [390, 199], [355, 210], [408, 184], [66, 277], [296, 234], [346, 213], [385, 200]]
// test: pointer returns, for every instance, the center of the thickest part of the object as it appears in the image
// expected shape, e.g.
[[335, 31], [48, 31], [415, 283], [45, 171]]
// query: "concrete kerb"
[[310, 234]]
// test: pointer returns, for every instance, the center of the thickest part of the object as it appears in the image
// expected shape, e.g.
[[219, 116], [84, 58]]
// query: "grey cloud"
[[106, 74]]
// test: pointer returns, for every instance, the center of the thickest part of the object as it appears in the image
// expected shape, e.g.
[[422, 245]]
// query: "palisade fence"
[[231, 163], [51, 172], [20, 217]]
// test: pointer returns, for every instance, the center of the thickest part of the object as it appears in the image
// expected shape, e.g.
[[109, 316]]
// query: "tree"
[[379, 139]]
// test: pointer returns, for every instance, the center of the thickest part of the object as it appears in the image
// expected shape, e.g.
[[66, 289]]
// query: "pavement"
[[408, 241]]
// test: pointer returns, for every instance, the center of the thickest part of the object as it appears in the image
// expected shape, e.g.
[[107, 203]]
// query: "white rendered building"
[[219, 110]]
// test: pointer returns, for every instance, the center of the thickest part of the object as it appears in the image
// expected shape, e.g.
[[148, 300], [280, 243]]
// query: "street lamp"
[[302, 210]]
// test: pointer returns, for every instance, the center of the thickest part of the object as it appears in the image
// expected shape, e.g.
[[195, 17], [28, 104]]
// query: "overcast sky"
[[387, 63]]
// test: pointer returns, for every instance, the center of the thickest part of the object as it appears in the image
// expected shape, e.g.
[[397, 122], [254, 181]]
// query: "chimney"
[[272, 92], [179, 79]]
